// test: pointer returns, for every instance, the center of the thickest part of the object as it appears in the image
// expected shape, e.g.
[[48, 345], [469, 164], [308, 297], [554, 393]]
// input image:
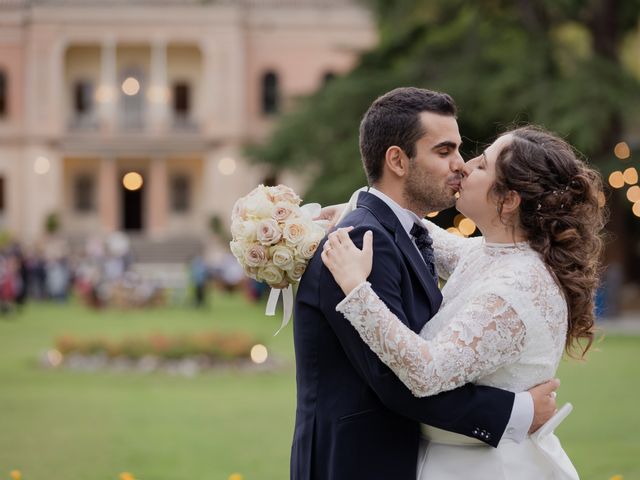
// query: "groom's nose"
[[457, 163]]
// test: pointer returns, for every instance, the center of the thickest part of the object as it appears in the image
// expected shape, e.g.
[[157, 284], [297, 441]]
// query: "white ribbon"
[[287, 304]]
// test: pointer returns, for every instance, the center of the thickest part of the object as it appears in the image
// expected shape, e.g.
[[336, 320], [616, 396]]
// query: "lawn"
[[69, 425]]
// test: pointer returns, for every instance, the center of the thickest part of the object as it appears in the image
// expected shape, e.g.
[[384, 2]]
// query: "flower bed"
[[180, 354]]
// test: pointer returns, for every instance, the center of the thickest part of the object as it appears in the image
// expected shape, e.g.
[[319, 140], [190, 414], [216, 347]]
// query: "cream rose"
[[268, 232], [271, 274], [294, 231], [244, 230], [308, 246], [282, 193], [251, 272], [283, 211], [258, 205], [282, 257], [255, 255], [295, 274]]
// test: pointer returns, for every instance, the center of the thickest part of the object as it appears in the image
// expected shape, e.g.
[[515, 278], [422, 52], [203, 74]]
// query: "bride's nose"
[[467, 169]]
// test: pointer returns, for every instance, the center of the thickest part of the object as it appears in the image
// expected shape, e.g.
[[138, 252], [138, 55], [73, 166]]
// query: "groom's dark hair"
[[394, 119]]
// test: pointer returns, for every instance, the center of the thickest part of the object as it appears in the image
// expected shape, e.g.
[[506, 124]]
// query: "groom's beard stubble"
[[423, 196]]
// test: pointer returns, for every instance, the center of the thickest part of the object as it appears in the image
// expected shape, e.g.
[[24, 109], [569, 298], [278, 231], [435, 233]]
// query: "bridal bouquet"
[[274, 238]]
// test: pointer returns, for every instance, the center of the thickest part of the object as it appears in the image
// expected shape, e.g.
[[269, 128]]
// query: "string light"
[[630, 176], [466, 226], [633, 194], [622, 151], [616, 179]]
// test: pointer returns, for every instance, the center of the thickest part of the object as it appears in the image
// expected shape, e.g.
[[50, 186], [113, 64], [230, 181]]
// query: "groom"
[[354, 418]]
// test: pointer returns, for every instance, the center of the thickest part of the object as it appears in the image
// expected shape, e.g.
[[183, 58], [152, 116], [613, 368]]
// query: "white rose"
[[272, 275], [258, 205], [282, 257], [294, 231], [243, 230], [239, 209], [268, 232], [295, 274], [237, 248], [255, 255]]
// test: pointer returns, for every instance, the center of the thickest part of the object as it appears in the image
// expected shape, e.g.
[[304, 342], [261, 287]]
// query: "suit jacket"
[[354, 418]]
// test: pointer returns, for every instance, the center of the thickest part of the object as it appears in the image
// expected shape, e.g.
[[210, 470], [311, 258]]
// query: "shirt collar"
[[407, 217]]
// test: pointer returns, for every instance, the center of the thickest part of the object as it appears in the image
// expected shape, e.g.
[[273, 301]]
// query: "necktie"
[[424, 244]]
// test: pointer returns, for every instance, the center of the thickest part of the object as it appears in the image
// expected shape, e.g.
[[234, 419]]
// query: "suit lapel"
[[390, 221]]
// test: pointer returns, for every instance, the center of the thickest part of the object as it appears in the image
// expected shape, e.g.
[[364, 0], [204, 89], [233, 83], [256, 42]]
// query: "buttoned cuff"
[[521, 417]]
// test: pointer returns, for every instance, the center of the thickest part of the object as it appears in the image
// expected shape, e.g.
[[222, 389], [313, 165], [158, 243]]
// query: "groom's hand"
[[544, 403]]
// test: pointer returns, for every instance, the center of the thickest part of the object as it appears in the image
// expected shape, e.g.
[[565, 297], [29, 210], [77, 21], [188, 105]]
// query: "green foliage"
[[505, 63]]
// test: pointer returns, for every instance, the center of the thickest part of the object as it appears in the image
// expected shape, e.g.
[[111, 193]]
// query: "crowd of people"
[[102, 274]]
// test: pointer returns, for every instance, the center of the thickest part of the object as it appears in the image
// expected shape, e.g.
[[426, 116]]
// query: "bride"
[[515, 298]]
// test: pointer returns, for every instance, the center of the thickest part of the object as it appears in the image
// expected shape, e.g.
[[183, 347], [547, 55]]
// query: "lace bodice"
[[502, 322]]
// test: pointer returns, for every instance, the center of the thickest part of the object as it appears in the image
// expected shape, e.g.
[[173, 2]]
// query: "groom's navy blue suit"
[[354, 418]]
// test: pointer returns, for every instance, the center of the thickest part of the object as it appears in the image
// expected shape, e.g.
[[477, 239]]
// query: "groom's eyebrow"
[[446, 144]]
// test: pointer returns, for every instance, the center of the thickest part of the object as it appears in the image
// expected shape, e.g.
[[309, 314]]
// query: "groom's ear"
[[396, 161]]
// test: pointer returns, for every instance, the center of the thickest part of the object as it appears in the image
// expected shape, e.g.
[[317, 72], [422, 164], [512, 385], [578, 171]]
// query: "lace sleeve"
[[485, 335], [448, 248]]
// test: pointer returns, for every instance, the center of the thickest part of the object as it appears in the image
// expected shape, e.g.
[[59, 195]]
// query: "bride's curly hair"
[[562, 215]]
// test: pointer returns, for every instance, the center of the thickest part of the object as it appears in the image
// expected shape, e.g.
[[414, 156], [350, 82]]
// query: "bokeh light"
[[259, 353], [602, 201], [457, 219], [616, 180], [131, 86], [54, 357], [132, 181], [636, 209], [633, 194], [455, 231], [466, 226], [630, 176], [622, 151], [42, 165], [227, 166], [432, 214]]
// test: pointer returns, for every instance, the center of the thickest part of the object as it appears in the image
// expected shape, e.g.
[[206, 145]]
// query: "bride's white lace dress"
[[503, 323]]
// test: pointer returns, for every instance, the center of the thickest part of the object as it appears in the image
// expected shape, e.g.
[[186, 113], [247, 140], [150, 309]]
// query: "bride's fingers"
[[342, 235]]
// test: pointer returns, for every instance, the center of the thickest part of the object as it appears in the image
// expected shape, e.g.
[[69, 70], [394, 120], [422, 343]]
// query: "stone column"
[[157, 197], [158, 95], [108, 201], [108, 89]]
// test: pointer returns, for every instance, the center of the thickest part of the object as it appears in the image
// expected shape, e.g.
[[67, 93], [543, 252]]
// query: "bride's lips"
[[455, 186]]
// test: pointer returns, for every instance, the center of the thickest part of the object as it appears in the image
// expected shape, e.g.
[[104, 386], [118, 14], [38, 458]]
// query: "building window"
[[270, 94], [82, 97], [181, 99], [4, 96], [180, 193], [83, 189]]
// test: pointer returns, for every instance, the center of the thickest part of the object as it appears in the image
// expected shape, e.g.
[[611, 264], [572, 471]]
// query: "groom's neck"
[[396, 193]]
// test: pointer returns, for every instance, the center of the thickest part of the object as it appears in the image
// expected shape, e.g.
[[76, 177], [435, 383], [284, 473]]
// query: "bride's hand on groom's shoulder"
[[349, 265], [544, 403], [331, 214]]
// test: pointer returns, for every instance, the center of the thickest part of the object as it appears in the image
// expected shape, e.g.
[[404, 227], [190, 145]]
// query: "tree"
[[551, 62]]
